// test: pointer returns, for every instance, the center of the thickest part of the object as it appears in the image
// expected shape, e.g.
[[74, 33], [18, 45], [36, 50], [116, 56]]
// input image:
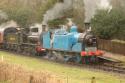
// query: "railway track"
[[113, 67]]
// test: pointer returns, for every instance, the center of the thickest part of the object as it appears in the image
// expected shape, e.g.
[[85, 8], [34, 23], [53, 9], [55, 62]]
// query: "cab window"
[[34, 30]]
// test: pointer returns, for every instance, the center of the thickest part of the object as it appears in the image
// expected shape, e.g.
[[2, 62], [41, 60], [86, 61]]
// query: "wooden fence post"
[[31, 79], [67, 79], [93, 80], [120, 81]]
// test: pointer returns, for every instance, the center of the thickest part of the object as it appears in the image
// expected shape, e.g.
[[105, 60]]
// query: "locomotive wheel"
[[32, 51], [18, 49], [14, 47], [48, 55], [1, 46], [59, 55]]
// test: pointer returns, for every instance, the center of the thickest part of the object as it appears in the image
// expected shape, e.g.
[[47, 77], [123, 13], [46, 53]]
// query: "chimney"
[[87, 25]]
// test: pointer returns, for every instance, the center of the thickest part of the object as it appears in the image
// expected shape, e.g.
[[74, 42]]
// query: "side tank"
[[62, 40]]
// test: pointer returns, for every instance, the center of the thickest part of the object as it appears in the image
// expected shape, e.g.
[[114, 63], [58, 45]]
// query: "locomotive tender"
[[58, 44]]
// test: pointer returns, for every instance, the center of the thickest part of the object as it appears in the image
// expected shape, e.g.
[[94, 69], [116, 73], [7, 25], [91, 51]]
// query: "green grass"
[[118, 41], [75, 75], [4, 82]]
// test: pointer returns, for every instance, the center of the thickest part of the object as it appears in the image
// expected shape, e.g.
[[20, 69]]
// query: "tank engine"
[[71, 46]]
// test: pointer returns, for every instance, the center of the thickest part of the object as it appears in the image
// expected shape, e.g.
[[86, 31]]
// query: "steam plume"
[[57, 11], [92, 5]]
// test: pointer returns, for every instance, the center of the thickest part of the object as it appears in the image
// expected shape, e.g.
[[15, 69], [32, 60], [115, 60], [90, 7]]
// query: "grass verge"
[[71, 74]]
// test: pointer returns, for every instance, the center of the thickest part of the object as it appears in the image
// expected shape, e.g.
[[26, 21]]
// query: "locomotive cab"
[[10, 37], [35, 31]]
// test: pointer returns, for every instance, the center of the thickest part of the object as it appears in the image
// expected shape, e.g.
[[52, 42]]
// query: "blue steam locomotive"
[[70, 46]]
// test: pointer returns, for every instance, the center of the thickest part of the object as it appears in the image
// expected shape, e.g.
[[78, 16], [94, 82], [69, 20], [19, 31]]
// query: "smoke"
[[57, 10], [3, 15], [105, 4], [92, 5]]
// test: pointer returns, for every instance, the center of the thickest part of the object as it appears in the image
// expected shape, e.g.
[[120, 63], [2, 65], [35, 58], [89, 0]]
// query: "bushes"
[[57, 22], [109, 25], [21, 16], [26, 12]]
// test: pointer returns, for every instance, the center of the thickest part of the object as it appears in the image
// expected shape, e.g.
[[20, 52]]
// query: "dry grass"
[[16, 74]]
